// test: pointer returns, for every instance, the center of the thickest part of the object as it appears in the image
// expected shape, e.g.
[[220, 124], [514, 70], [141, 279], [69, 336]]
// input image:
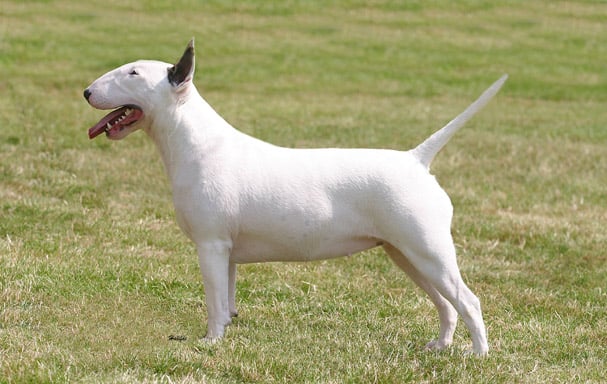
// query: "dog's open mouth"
[[116, 120]]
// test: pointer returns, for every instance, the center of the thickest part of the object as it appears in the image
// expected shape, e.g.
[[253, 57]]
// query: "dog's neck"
[[189, 134]]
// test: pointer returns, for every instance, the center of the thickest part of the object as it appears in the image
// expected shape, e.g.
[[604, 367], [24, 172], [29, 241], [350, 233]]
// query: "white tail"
[[426, 151]]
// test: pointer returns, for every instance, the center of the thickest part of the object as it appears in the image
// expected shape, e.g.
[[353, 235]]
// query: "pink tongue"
[[100, 127]]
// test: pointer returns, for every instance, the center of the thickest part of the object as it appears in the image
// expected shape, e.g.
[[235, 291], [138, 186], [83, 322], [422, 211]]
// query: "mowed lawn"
[[97, 283]]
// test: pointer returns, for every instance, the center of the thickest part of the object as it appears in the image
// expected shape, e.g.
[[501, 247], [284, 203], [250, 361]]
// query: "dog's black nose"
[[87, 94]]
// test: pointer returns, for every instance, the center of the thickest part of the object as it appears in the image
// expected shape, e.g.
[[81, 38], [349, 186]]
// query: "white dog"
[[242, 200]]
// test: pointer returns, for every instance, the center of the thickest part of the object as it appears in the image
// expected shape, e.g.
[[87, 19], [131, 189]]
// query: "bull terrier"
[[243, 200]]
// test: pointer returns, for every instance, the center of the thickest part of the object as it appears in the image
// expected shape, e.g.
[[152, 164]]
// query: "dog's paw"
[[474, 353], [437, 345], [210, 340]]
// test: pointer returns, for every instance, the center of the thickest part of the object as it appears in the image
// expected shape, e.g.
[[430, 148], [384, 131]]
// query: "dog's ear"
[[183, 72]]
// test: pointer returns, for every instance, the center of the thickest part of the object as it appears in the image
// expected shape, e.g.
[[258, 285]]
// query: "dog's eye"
[[133, 72]]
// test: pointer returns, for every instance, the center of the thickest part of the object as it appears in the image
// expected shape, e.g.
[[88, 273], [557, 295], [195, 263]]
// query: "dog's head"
[[134, 91]]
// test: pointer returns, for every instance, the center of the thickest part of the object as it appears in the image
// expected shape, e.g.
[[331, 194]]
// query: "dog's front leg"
[[214, 259], [232, 290]]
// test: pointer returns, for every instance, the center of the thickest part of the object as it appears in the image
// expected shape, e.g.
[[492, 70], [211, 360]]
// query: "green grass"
[[95, 275]]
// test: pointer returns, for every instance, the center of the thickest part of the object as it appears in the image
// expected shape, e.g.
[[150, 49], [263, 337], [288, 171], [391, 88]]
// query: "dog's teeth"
[[108, 127], [128, 112]]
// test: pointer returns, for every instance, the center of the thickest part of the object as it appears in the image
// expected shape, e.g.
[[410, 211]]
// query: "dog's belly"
[[250, 248]]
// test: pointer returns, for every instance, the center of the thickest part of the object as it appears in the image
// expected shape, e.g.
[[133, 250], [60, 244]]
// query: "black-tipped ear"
[[183, 71]]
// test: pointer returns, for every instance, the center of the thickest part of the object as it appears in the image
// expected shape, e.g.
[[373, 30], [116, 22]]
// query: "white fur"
[[242, 200]]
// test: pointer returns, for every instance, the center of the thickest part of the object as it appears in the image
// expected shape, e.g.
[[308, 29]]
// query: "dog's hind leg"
[[446, 313], [434, 259], [214, 259]]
